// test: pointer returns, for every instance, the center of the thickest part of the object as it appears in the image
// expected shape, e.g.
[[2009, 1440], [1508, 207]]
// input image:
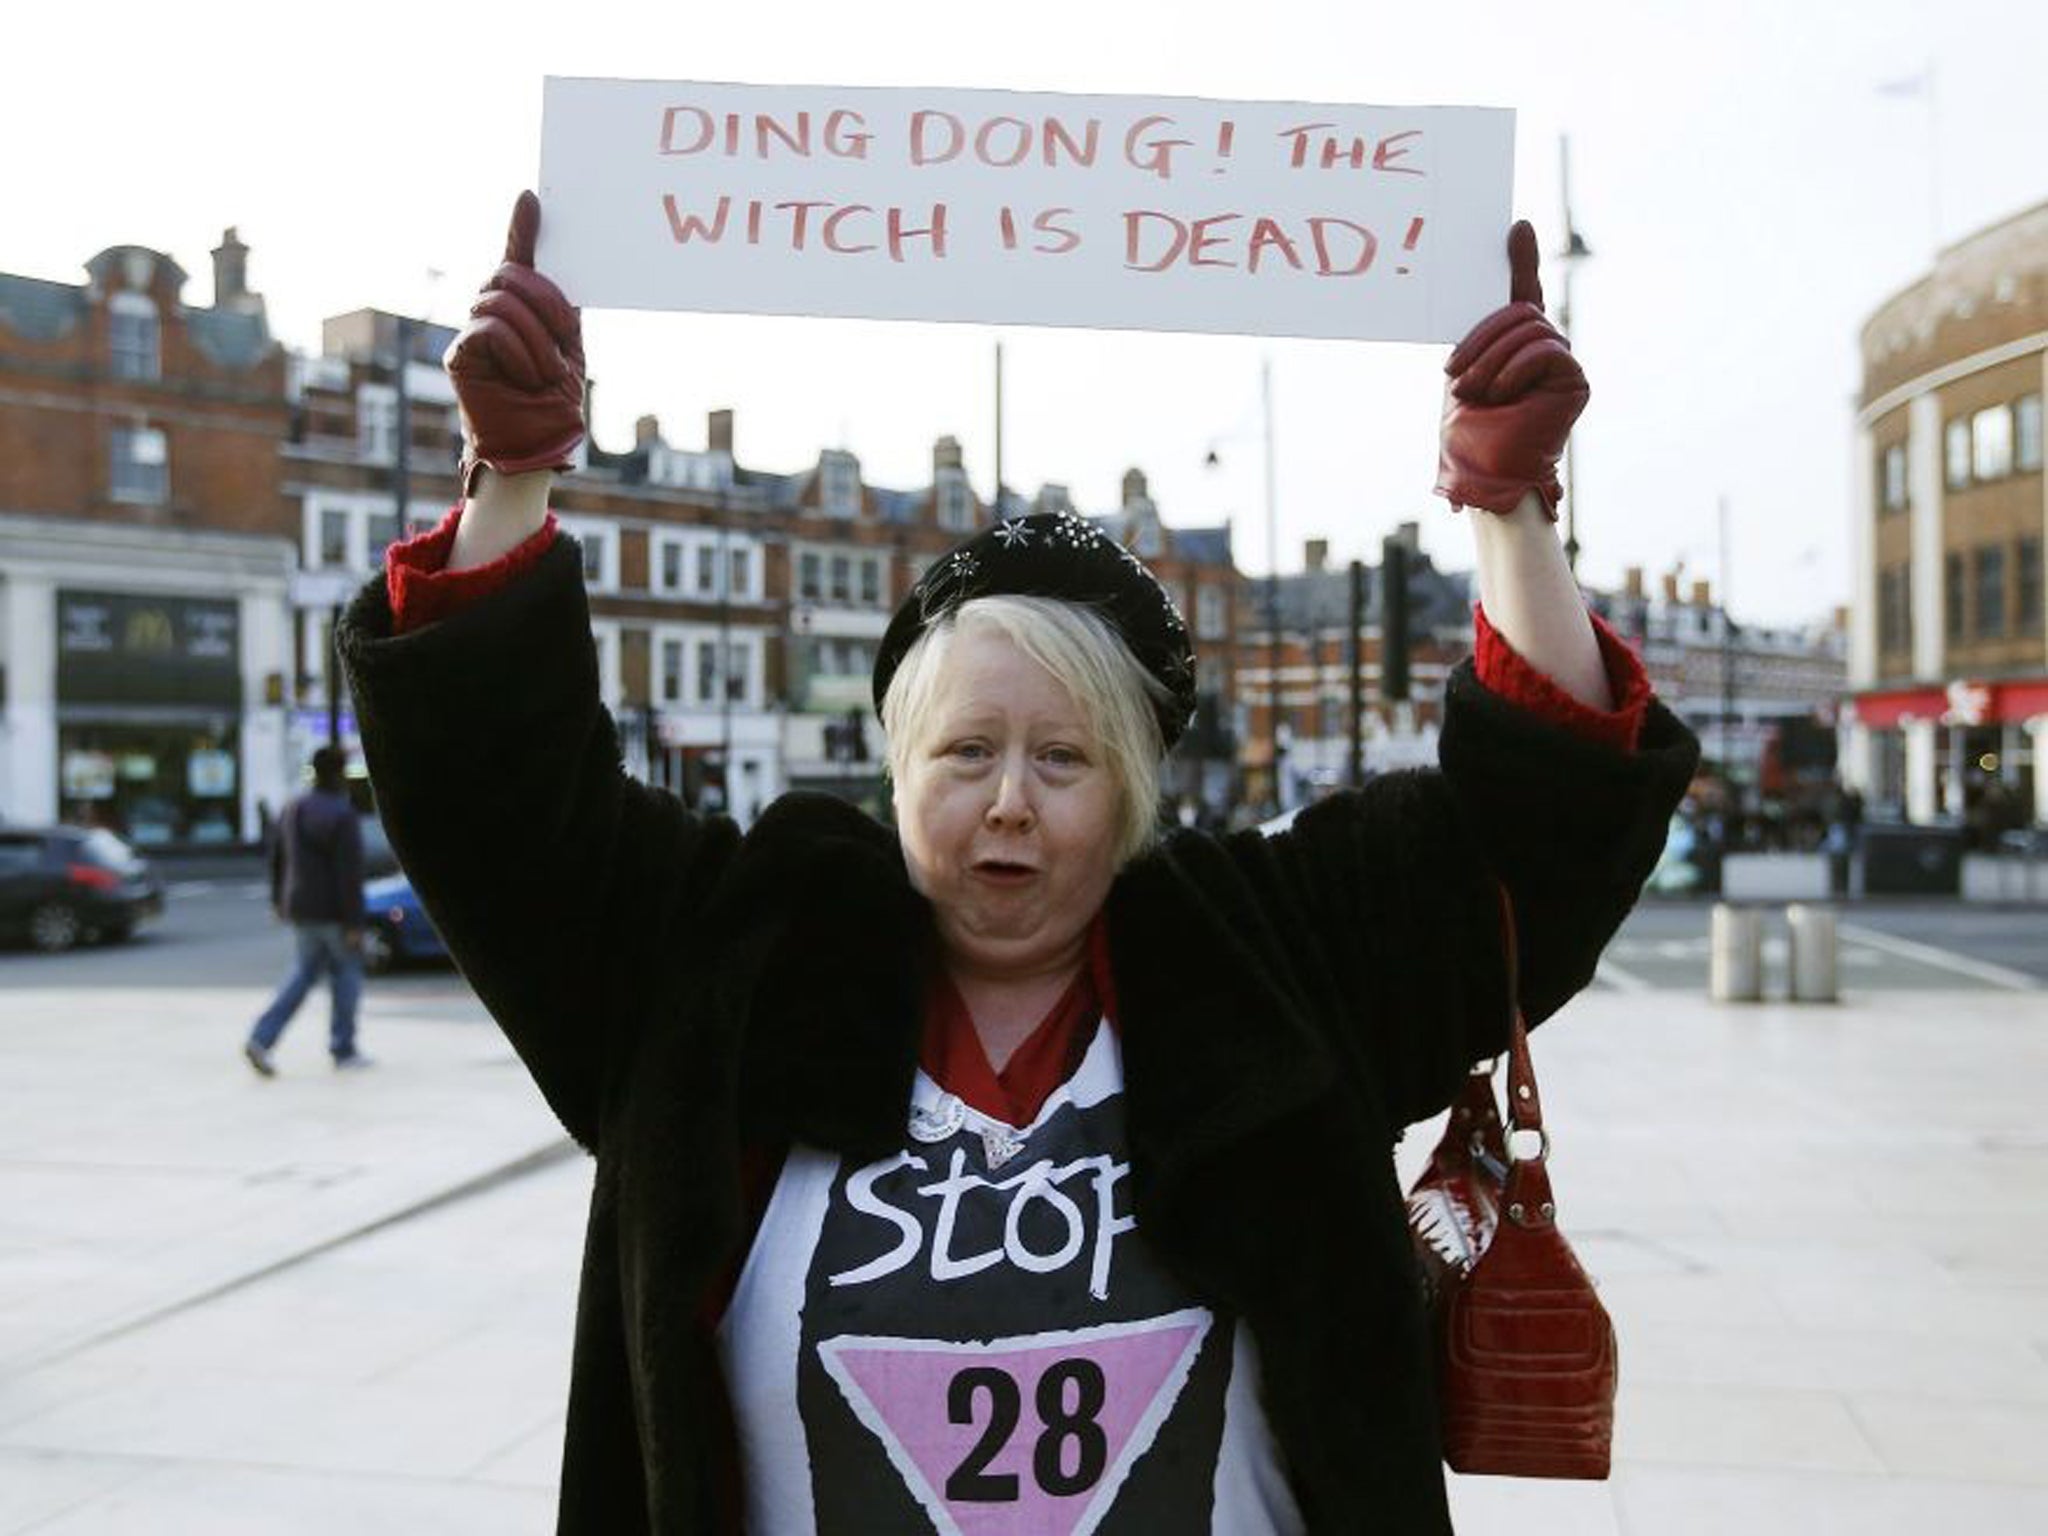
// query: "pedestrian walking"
[[316, 885], [1023, 1167]]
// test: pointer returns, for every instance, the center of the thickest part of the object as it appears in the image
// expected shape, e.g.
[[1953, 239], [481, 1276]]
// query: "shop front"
[[1971, 752], [149, 707]]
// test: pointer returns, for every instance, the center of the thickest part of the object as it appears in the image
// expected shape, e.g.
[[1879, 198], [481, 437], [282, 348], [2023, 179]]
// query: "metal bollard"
[[1736, 971], [1813, 953]]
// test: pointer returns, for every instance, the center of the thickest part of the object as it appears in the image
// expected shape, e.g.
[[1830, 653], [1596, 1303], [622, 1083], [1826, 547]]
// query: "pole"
[[1272, 584], [725, 772], [999, 431], [334, 677], [1727, 658], [1355, 769]]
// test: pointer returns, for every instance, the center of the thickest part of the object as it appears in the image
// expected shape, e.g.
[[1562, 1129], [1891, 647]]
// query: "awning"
[[1963, 702]]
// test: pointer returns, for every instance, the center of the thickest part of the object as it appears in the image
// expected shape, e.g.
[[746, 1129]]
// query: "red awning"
[[2005, 702]]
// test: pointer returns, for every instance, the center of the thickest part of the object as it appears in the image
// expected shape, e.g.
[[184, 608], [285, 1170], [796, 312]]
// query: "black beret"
[[1058, 555]]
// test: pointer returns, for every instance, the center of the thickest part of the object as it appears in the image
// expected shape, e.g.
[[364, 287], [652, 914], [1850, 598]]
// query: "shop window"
[[1990, 590], [1991, 442], [333, 536], [1954, 589], [810, 577], [1956, 454], [1893, 477], [140, 471], [2027, 584], [2026, 420], [134, 338]]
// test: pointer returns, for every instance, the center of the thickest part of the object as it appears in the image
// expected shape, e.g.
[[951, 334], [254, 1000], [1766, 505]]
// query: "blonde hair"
[[1086, 656]]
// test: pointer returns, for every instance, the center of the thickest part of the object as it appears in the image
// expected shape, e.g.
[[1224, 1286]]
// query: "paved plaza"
[[337, 1304]]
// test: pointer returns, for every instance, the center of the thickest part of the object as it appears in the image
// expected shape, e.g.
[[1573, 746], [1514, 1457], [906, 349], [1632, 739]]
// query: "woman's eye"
[[1064, 757], [972, 751]]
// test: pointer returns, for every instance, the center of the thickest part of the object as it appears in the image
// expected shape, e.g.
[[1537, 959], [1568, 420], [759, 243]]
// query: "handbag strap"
[[1526, 1199]]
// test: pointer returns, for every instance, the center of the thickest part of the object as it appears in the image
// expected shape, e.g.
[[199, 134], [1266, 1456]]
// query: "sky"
[[1748, 193]]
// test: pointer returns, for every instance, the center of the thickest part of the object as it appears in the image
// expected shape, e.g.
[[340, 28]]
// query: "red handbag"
[[1526, 1364]]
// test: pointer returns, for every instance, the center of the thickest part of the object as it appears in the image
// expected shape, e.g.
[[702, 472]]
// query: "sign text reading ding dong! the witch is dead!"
[[1166, 213]]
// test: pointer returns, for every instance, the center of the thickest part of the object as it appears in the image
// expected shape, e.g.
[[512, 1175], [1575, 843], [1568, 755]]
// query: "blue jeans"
[[322, 947]]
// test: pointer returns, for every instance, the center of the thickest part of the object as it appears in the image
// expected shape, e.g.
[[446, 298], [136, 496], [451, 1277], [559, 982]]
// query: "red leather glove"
[[517, 367], [1513, 393]]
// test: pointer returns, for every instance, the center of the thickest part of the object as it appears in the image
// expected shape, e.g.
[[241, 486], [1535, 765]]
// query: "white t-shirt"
[[971, 1337]]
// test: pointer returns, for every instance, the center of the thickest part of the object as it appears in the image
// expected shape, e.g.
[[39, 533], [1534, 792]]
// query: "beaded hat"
[[1056, 555]]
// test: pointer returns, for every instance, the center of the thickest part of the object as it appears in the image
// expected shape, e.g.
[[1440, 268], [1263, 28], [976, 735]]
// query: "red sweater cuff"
[[423, 590], [1503, 671]]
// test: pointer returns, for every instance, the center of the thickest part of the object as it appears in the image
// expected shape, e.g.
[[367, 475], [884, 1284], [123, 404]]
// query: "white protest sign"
[[1152, 213]]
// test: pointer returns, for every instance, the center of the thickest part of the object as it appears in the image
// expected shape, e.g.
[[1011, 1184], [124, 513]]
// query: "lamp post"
[[1575, 250]]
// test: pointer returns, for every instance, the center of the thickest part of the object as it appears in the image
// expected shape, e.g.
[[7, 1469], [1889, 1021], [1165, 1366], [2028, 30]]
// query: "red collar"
[[951, 1052]]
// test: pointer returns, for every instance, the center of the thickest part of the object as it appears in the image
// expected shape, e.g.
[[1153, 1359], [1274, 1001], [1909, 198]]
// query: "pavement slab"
[[233, 1306]]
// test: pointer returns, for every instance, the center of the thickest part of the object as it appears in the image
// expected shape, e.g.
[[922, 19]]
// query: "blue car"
[[396, 931]]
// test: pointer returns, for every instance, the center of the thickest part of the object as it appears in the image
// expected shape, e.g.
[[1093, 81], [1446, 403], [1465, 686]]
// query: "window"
[[706, 582], [596, 545], [810, 580], [1953, 598], [1956, 454], [377, 423], [741, 564], [2026, 418], [739, 671], [1991, 590], [383, 530], [707, 672], [871, 582], [1895, 609], [140, 471], [133, 337], [333, 536], [839, 490], [956, 504], [672, 671], [2027, 599], [671, 567], [1991, 442], [1212, 613], [842, 579], [1893, 478]]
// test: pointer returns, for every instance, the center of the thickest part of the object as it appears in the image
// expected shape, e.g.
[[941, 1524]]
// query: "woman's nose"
[[1011, 805]]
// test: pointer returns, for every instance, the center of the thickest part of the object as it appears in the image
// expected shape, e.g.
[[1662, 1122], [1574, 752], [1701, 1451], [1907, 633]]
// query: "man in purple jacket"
[[316, 885]]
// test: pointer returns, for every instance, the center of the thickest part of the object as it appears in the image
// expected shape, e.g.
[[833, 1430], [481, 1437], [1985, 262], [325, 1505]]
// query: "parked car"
[[396, 930], [61, 886]]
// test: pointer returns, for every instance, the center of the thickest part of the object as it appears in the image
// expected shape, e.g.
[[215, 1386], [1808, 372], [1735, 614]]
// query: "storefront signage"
[[130, 648]]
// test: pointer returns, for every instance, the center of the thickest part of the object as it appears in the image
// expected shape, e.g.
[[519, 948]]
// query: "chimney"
[[1703, 594], [946, 453], [1671, 589], [648, 430], [230, 272], [718, 432], [1315, 554], [1135, 489], [1632, 582], [1842, 619]]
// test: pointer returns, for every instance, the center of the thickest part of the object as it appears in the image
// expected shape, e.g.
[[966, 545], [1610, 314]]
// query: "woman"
[[880, 1240]]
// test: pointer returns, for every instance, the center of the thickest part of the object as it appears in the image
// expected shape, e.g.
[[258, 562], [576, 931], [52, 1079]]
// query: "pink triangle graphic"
[[1108, 1389]]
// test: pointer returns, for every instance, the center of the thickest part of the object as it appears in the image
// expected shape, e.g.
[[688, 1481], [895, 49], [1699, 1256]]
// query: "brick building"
[[1949, 647], [143, 566], [1310, 651], [183, 505]]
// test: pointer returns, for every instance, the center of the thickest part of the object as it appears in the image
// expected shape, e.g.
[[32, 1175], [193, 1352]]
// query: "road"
[[219, 933]]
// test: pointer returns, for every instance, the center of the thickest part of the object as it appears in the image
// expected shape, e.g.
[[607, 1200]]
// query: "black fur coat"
[[1287, 1005]]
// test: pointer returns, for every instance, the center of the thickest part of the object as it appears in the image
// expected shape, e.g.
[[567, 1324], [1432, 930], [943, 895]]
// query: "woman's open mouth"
[[1003, 872]]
